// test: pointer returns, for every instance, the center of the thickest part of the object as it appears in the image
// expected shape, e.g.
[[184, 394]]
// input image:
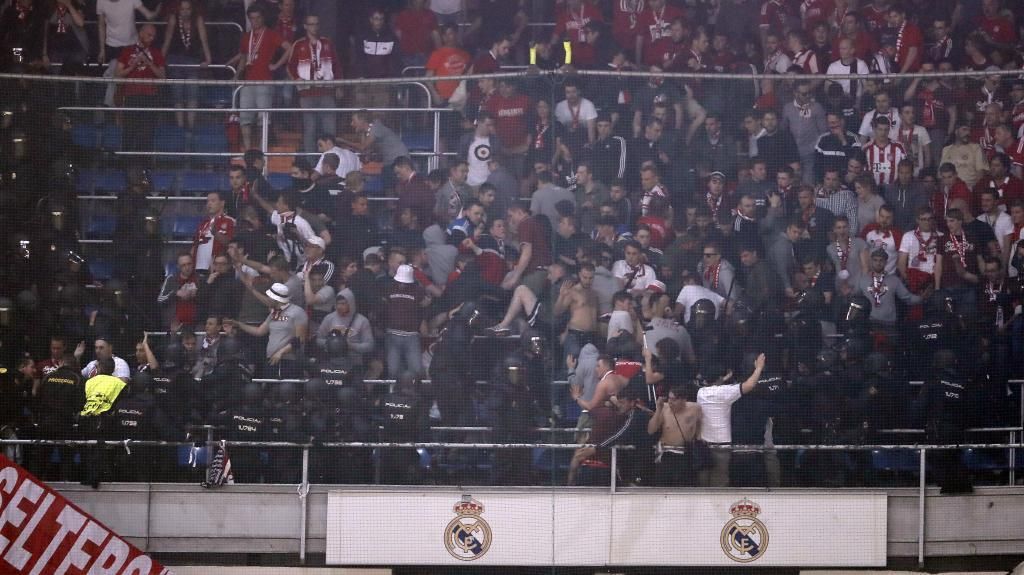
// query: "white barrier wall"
[[828, 529]]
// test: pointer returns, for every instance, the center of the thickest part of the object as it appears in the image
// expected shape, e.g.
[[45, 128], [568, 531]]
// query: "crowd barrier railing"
[[303, 487]]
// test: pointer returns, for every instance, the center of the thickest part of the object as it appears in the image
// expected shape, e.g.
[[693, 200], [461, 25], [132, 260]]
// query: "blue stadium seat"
[[85, 135], [895, 460], [163, 181], [101, 181], [280, 181], [215, 96], [418, 141], [101, 226], [101, 270], [183, 227], [196, 183], [209, 142], [169, 138], [112, 137], [985, 460]]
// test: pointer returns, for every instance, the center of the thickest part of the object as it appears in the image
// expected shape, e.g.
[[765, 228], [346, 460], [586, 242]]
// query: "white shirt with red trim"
[[910, 246]]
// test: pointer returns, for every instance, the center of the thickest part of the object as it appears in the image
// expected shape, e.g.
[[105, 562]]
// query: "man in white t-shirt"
[[479, 147], [103, 350], [920, 262], [348, 161], [691, 294], [715, 403], [632, 272], [117, 30], [993, 214], [577, 113]]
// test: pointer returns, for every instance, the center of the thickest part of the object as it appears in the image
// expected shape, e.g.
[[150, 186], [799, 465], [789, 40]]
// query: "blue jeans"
[[404, 354]]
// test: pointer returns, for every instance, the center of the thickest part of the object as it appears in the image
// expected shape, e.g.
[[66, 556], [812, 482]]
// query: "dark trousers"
[[675, 470]]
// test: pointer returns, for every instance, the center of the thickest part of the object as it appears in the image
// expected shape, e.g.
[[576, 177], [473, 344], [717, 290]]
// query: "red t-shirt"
[[259, 50], [814, 11], [414, 27], [907, 37], [486, 63], [532, 232], [625, 20], [773, 15], [1008, 188], [999, 29], [142, 72], [951, 247], [939, 201], [509, 118], [874, 18], [655, 29], [569, 25], [447, 61]]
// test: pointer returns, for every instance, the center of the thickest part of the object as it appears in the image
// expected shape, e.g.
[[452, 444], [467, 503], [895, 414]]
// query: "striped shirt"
[[842, 202], [882, 161]]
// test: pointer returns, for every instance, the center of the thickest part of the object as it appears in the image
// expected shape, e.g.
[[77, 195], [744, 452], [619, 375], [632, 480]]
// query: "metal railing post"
[[615, 467], [1012, 460], [304, 501], [922, 487], [434, 162], [265, 137]]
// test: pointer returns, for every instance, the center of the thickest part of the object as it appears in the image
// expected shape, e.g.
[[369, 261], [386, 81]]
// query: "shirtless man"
[[580, 300], [677, 420]]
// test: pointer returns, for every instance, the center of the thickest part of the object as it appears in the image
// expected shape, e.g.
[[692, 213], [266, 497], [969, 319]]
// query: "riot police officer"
[[405, 420], [944, 401]]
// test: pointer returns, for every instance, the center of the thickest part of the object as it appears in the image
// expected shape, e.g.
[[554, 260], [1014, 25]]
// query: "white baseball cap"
[[278, 293], [404, 274]]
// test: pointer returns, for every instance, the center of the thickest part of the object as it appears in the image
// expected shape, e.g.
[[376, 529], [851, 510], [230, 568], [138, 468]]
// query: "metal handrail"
[[454, 445], [255, 110], [208, 66], [235, 25]]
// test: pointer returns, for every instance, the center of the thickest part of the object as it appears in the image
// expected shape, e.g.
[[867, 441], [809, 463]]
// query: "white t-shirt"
[[348, 161], [914, 144], [643, 278], [910, 246], [715, 403], [120, 369], [120, 15], [620, 320], [691, 294], [1002, 226], [479, 155], [858, 66], [288, 246], [585, 112], [876, 240]]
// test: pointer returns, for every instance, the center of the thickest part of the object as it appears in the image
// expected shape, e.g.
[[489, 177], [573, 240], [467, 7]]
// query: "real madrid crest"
[[468, 536], [744, 537]]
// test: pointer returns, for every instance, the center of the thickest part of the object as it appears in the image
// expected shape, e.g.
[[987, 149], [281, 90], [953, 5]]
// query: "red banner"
[[42, 533]]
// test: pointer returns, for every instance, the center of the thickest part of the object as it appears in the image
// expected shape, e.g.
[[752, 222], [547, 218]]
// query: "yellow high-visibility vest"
[[101, 392]]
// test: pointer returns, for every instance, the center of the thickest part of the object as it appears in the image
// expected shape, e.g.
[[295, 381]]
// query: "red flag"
[[41, 533]]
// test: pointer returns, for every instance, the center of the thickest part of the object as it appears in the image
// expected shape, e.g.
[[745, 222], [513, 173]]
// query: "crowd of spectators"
[[730, 261]]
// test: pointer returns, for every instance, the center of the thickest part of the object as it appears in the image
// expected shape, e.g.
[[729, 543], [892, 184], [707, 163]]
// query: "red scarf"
[[62, 11], [922, 245], [186, 34], [961, 248], [993, 291], [711, 275], [878, 288], [844, 254]]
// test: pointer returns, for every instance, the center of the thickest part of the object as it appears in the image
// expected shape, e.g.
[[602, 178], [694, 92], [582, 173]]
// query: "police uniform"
[[404, 419]]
